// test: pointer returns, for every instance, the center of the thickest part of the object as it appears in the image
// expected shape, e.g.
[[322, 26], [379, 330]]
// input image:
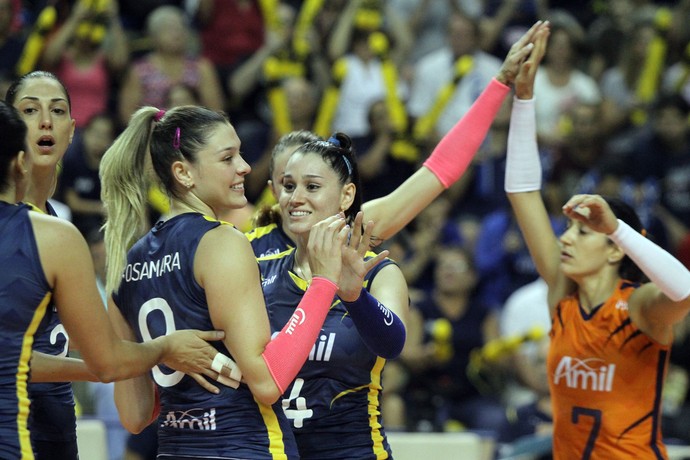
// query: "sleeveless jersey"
[[24, 306], [606, 378], [52, 416], [269, 240], [334, 404], [158, 295]]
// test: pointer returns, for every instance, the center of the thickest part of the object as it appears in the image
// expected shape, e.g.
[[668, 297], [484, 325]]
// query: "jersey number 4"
[[300, 412]]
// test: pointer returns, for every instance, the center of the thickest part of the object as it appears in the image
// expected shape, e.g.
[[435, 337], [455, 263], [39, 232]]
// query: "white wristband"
[[664, 270], [523, 166]]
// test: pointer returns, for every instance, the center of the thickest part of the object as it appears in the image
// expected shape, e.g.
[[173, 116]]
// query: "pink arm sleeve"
[[288, 351], [454, 152]]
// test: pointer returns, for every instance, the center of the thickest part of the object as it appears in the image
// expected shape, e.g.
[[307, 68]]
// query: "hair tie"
[[157, 117], [333, 140], [176, 139]]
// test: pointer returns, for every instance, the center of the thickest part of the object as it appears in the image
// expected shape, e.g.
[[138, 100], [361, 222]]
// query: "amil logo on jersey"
[[191, 419], [321, 351], [297, 318], [591, 374]]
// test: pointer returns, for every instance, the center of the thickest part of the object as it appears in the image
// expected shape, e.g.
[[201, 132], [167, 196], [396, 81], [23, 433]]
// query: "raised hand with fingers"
[[593, 211], [325, 247], [527, 70], [355, 266], [520, 50]]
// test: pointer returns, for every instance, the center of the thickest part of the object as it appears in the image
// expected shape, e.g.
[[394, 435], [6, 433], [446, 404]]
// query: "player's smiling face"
[[311, 192]]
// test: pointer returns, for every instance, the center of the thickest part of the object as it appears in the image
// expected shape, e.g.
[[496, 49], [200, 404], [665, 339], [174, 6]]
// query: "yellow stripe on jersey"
[[374, 403], [259, 232], [34, 207], [275, 435], [22, 376]]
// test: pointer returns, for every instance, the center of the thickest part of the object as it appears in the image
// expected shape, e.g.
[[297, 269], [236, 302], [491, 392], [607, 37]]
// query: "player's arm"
[[50, 368], [453, 154], [68, 268], [236, 304]]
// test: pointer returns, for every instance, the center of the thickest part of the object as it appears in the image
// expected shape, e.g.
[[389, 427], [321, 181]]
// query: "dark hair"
[[623, 211], [293, 138], [17, 84], [189, 125], [337, 152], [13, 135]]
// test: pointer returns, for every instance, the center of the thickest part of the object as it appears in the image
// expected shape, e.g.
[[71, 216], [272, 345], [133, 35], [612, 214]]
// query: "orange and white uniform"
[[606, 379]]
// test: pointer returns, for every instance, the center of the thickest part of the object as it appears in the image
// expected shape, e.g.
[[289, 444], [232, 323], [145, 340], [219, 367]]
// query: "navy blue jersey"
[[52, 404], [24, 305], [269, 240], [159, 295], [334, 403]]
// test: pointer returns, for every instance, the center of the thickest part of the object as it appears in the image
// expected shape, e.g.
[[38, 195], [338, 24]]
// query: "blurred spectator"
[[181, 94], [440, 68], [360, 50], [620, 84], [525, 322], [579, 163], [80, 184], [662, 152], [88, 53], [11, 42], [134, 14], [451, 323], [150, 78], [381, 171], [605, 35], [276, 89], [560, 82], [423, 18], [231, 31], [503, 21]]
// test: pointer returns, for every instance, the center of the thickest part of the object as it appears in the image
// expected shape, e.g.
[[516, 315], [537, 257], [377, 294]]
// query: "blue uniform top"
[[52, 416], [334, 403], [158, 295], [24, 305], [269, 240]]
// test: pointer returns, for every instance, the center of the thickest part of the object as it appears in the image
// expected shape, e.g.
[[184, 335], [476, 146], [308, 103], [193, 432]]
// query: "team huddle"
[[271, 344]]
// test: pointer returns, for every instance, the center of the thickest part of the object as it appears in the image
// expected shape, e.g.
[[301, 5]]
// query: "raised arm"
[[453, 154], [523, 172]]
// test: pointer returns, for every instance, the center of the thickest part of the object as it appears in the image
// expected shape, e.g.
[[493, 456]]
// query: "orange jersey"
[[606, 378]]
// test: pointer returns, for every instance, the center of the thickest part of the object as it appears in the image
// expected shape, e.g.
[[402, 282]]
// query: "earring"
[[188, 185]]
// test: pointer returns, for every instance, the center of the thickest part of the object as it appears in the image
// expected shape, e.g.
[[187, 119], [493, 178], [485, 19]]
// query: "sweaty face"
[[218, 174], [311, 192], [43, 105]]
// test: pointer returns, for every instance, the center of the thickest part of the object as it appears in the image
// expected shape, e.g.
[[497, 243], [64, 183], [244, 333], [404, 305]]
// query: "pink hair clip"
[[159, 115], [176, 139]]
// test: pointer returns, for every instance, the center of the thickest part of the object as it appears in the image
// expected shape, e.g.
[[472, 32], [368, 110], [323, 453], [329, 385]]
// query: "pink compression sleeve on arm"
[[454, 152], [288, 351]]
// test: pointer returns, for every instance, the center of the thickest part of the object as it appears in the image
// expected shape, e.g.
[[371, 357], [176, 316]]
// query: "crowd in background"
[[612, 108]]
